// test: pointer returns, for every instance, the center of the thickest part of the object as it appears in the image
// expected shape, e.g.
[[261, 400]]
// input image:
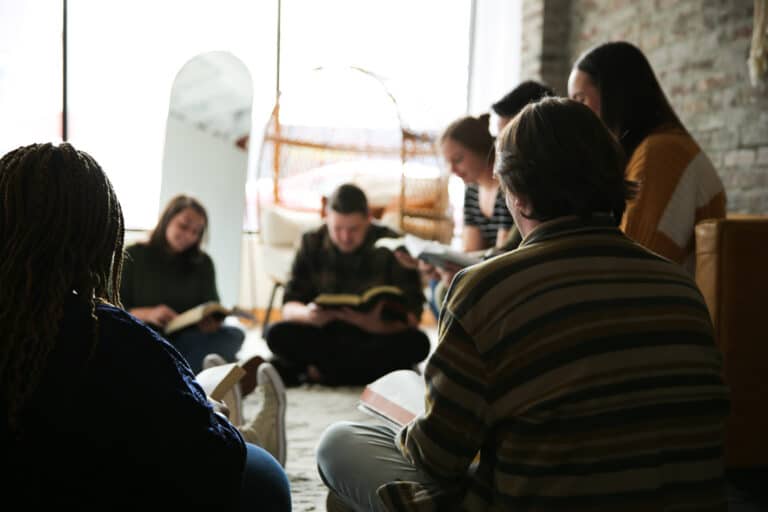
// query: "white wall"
[[214, 171]]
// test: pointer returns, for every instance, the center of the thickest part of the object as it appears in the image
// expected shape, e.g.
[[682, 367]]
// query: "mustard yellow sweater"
[[678, 188]]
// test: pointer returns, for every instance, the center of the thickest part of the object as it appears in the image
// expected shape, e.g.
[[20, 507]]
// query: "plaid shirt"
[[319, 267]]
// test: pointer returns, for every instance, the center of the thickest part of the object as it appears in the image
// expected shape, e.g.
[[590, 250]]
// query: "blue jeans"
[[194, 344], [265, 484]]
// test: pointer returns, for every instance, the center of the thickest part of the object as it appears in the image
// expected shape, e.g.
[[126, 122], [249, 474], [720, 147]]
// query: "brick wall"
[[698, 49], [545, 53]]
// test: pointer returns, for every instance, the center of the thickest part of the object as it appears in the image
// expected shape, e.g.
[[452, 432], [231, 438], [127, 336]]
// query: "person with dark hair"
[[170, 274], [345, 346], [98, 412], [576, 372], [513, 102], [467, 146], [679, 186]]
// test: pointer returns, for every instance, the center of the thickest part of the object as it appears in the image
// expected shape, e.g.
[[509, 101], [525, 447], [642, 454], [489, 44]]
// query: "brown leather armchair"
[[732, 273]]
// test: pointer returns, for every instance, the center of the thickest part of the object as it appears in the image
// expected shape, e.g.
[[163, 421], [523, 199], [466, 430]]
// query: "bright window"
[[123, 59], [30, 73]]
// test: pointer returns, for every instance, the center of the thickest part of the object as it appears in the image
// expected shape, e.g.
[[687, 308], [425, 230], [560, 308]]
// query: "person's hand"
[[319, 316], [158, 315], [447, 273], [219, 407], [371, 321], [428, 270], [406, 260], [210, 323]]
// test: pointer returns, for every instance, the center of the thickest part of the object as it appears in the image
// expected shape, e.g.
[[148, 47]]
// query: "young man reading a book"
[[347, 345], [577, 372]]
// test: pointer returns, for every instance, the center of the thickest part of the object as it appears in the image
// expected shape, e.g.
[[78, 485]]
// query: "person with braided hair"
[[98, 411]]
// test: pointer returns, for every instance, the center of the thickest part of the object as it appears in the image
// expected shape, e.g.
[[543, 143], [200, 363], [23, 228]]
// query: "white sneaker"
[[267, 428], [213, 359]]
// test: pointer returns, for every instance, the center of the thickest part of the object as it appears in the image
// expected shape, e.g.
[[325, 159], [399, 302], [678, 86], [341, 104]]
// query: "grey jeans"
[[354, 459]]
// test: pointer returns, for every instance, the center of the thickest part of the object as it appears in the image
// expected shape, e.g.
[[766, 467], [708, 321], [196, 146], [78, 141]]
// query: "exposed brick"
[[762, 157], [698, 50], [740, 157]]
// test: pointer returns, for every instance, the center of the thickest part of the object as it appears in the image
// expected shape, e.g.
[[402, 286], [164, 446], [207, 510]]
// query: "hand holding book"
[[386, 303], [434, 253], [377, 320]]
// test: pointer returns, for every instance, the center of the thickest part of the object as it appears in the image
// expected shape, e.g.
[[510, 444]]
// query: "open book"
[[217, 380], [197, 313], [393, 297], [397, 397], [430, 251], [221, 384]]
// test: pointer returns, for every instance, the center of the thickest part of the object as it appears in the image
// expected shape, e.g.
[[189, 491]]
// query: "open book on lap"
[[393, 297], [397, 397], [430, 251], [194, 315], [221, 384]]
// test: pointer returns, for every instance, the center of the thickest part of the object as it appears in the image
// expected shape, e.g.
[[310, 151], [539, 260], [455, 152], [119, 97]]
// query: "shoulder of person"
[[668, 142], [137, 252], [315, 236], [471, 283], [382, 231], [118, 324]]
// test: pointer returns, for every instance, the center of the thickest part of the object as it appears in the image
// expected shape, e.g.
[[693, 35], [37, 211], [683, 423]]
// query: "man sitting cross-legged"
[[343, 346]]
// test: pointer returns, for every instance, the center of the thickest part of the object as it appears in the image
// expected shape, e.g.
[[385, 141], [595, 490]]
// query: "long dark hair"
[[175, 206], [61, 239], [632, 103], [562, 159]]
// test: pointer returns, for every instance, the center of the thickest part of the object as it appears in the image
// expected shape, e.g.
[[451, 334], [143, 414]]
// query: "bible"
[[221, 383], [430, 251], [397, 397], [393, 298], [194, 315], [218, 380]]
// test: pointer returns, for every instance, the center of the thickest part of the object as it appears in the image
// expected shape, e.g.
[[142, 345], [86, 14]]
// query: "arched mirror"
[[206, 154]]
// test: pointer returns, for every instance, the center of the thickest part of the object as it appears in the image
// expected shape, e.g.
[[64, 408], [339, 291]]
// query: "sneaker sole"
[[267, 371]]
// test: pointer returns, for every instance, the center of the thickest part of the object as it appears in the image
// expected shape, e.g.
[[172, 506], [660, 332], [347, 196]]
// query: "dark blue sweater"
[[120, 426]]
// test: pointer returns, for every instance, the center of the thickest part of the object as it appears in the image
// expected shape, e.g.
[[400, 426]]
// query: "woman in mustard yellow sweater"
[[679, 186]]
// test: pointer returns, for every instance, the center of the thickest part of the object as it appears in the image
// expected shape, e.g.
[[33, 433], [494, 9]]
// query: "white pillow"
[[284, 227]]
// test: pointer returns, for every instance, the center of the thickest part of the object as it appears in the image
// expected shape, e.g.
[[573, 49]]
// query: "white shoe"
[[267, 428], [213, 359]]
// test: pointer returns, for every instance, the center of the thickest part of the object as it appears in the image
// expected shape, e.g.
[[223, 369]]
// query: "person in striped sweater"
[[679, 186], [578, 372]]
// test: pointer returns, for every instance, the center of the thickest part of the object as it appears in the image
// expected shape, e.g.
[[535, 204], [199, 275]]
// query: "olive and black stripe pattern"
[[578, 372]]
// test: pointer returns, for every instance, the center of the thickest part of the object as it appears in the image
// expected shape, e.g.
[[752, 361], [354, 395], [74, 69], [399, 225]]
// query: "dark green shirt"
[[151, 277], [319, 267]]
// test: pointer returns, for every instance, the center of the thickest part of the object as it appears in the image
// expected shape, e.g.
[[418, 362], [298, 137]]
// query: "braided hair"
[[61, 237]]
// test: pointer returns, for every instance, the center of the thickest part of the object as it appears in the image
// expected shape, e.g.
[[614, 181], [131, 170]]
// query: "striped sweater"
[[678, 188], [583, 370]]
